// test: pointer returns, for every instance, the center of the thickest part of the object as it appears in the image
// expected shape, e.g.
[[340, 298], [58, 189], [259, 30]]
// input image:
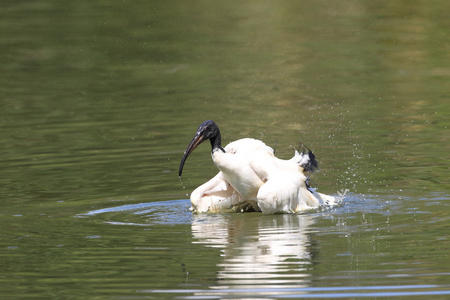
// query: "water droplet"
[[93, 236]]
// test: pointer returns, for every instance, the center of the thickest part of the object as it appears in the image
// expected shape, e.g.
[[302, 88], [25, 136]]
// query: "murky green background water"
[[98, 101]]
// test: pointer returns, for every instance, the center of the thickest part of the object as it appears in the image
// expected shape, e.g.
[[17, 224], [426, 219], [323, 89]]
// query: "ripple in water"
[[275, 256], [172, 212]]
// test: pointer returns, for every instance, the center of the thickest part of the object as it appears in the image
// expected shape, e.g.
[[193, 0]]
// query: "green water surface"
[[98, 101]]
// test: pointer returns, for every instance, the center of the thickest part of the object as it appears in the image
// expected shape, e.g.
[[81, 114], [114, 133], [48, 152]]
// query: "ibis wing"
[[286, 193], [217, 195]]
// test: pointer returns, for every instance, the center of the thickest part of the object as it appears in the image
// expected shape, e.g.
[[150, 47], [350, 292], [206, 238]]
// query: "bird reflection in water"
[[261, 251]]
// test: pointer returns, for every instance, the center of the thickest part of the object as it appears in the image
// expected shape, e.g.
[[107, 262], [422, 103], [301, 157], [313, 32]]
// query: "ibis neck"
[[216, 143]]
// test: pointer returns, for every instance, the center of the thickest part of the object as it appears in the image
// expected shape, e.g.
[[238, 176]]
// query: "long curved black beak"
[[197, 140]]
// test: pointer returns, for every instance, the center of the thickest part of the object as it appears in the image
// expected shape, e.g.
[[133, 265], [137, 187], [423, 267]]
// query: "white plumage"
[[251, 178]]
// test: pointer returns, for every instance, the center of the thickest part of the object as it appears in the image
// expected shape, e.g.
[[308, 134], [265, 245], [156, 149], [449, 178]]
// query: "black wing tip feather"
[[310, 164]]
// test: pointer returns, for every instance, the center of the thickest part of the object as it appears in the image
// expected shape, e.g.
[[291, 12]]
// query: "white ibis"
[[251, 178]]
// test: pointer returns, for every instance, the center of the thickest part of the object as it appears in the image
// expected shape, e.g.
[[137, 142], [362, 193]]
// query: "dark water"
[[99, 100]]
